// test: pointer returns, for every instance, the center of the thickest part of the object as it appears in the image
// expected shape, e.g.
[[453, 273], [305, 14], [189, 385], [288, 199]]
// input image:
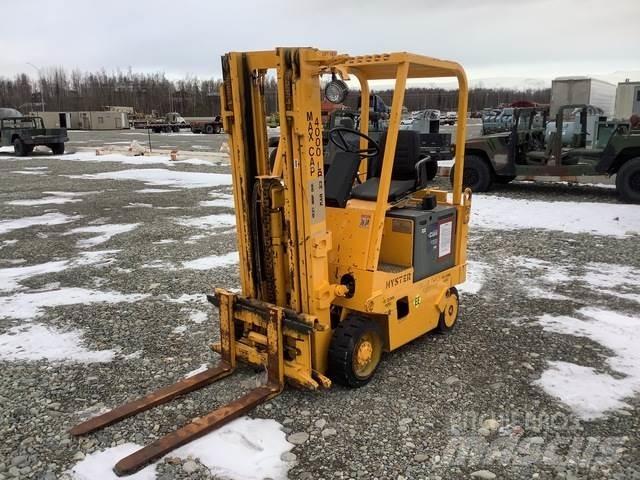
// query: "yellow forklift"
[[341, 258]]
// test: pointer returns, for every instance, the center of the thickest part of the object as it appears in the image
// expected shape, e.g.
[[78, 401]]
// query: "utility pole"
[[41, 85]]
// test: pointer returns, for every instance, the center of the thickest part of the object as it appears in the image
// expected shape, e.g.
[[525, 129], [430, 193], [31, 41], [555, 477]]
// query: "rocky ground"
[[465, 405]]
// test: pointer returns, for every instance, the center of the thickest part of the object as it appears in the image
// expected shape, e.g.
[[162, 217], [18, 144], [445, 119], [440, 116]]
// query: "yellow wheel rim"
[[451, 310], [366, 354]]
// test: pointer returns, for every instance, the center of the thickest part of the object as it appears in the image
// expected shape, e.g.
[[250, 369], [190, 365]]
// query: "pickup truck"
[[25, 133]]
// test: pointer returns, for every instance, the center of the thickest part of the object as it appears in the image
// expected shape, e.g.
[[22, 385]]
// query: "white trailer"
[[627, 100], [582, 90]]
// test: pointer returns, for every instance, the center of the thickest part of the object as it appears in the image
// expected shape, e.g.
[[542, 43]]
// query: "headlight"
[[336, 91]]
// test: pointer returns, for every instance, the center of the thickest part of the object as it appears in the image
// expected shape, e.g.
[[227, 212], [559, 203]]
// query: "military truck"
[[613, 149], [27, 132]]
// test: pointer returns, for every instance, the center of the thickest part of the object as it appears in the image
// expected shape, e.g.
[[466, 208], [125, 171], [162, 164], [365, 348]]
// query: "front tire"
[[449, 317], [19, 147], [355, 351], [628, 181], [57, 148], [477, 174]]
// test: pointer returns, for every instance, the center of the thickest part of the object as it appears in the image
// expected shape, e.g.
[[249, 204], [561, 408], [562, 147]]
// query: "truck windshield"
[[23, 122]]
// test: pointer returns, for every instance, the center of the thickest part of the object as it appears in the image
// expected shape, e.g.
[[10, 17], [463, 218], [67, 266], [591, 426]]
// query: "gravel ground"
[[432, 410]]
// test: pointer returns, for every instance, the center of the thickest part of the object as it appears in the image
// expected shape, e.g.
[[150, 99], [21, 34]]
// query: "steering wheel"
[[336, 136]]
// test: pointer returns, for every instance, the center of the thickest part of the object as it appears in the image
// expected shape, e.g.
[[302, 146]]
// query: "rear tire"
[[208, 129], [19, 147], [217, 129], [477, 174], [57, 148], [355, 351], [628, 181]]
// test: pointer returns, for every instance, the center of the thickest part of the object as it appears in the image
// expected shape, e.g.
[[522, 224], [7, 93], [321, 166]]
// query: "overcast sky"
[[491, 38]]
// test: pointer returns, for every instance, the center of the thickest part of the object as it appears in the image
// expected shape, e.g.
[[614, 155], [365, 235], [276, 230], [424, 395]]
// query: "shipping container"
[[627, 100], [582, 90]]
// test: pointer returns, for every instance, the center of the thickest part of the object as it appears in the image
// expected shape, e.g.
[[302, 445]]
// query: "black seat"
[[340, 177], [406, 175]]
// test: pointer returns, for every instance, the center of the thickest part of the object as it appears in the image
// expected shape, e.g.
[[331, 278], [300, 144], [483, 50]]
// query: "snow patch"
[[198, 316], [163, 177], [105, 232], [179, 329], [213, 261], [208, 222], [588, 393], [245, 449], [50, 200], [198, 370], [476, 274], [501, 213], [27, 306], [45, 219], [38, 342]]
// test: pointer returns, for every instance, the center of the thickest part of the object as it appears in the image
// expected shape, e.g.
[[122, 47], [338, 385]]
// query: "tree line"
[[61, 90]]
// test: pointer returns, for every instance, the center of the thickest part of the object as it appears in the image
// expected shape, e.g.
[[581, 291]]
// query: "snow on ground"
[[99, 465], [132, 160], [10, 278], [53, 218], [179, 329], [155, 190], [27, 306], [213, 261], [198, 370], [218, 202], [208, 222], [163, 177], [618, 280], [588, 393], [198, 316], [38, 342], [105, 232], [29, 172], [476, 274], [245, 449], [187, 298], [501, 213], [52, 199]]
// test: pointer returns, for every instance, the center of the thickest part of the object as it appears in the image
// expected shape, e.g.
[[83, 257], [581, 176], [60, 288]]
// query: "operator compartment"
[[420, 237]]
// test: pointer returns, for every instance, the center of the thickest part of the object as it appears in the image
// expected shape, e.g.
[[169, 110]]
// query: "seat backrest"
[[338, 181], [406, 157]]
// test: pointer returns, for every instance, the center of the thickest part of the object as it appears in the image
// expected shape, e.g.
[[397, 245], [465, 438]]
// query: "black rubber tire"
[[478, 175], [504, 179], [628, 181], [432, 170], [19, 148], [57, 148], [442, 325], [342, 349], [272, 157], [217, 129], [157, 130], [176, 129], [208, 129]]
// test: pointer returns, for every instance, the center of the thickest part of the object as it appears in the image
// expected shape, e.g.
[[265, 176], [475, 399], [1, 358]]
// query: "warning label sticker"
[[444, 238], [316, 200]]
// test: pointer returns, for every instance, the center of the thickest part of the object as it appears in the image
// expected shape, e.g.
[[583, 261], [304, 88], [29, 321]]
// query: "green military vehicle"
[[594, 147], [27, 132]]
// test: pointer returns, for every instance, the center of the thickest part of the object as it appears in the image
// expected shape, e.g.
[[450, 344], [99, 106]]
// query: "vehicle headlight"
[[336, 91]]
